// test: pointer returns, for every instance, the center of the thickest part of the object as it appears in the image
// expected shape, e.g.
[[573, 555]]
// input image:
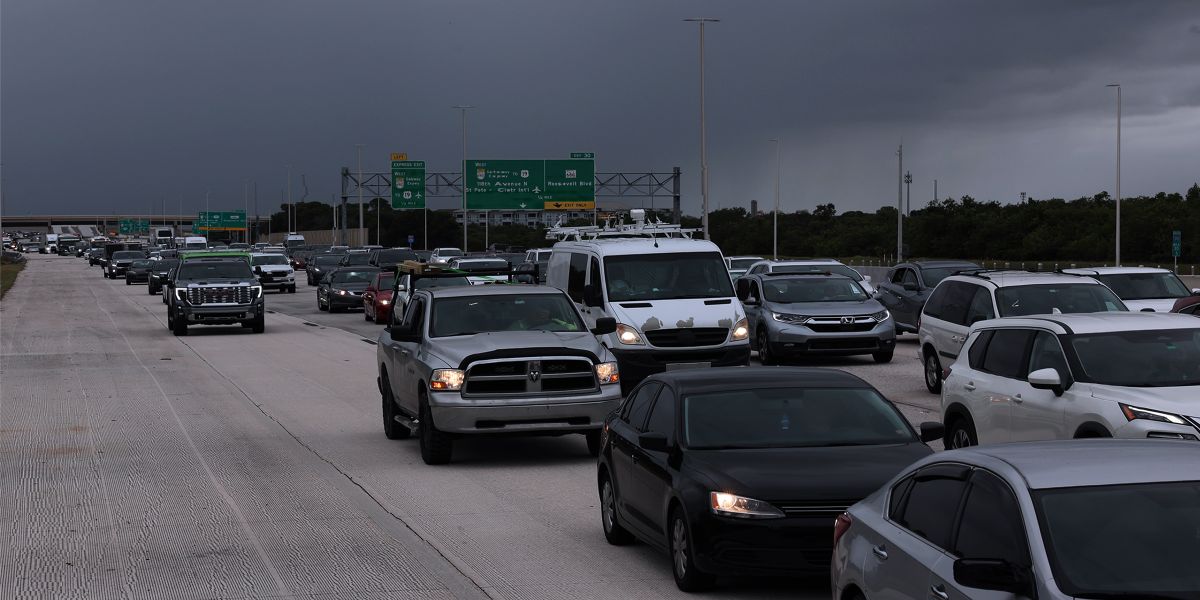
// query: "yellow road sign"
[[580, 205], [399, 156]]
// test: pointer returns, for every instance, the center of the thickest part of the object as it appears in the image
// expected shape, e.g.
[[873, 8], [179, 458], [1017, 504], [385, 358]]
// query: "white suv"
[[1141, 288], [812, 265], [1125, 375], [962, 300], [273, 271]]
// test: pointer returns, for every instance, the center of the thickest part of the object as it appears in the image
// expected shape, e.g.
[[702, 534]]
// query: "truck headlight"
[[732, 505], [608, 373], [257, 289], [446, 380], [628, 335], [180, 294], [740, 331]]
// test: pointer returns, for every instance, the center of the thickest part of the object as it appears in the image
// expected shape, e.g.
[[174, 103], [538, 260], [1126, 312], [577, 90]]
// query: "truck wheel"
[[392, 429], [259, 324], [179, 327], [436, 446], [292, 289]]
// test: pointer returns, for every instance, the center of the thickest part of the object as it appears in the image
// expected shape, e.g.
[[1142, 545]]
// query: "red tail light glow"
[[841, 526]]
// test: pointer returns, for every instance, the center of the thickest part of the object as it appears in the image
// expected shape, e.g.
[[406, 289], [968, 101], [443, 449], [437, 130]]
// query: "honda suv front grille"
[[531, 377], [687, 337], [219, 295]]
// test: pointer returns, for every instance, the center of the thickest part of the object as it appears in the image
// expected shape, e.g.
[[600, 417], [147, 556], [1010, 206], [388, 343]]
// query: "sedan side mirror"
[[653, 441], [932, 430], [1047, 379], [1196, 291], [605, 326], [993, 574]]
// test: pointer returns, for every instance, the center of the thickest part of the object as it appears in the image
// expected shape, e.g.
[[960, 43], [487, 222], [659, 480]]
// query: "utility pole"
[[1118, 252], [778, 187], [703, 131], [463, 109], [935, 196], [1022, 197], [359, 148], [907, 193], [257, 222], [207, 217], [900, 204], [291, 205]]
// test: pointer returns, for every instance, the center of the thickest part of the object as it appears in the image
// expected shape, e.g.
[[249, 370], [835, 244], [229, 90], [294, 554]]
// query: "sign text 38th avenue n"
[[562, 184]]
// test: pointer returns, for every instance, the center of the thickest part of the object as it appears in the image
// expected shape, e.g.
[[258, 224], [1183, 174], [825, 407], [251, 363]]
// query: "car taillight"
[[841, 526], [946, 373]]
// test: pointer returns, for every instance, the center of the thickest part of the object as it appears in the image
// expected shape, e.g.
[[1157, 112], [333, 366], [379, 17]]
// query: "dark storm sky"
[[112, 106]]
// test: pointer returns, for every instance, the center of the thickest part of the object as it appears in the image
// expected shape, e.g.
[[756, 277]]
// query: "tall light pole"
[[1118, 86], [778, 187], [291, 205], [207, 217], [359, 148], [463, 109], [900, 205], [703, 130], [907, 192]]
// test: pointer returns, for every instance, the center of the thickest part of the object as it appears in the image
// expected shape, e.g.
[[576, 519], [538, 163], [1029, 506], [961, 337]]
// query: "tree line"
[[1054, 229]]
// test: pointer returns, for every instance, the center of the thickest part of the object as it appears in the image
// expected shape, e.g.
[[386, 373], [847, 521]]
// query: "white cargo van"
[[671, 297], [293, 240], [194, 243]]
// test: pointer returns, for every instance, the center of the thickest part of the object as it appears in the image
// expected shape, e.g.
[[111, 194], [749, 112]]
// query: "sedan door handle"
[[403, 352], [970, 387], [880, 551], [939, 591]]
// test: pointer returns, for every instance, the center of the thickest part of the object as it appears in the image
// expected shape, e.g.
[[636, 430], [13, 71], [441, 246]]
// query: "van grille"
[[219, 295], [530, 376], [687, 337]]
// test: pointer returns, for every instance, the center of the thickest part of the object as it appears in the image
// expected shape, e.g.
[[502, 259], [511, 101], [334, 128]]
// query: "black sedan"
[[158, 274], [139, 271], [343, 288], [742, 471], [320, 265]]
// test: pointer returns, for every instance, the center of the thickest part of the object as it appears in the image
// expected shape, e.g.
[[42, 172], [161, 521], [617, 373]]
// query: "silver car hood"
[[454, 350], [821, 309]]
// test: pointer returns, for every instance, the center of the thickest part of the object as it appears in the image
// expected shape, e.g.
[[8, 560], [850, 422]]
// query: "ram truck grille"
[[530, 377]]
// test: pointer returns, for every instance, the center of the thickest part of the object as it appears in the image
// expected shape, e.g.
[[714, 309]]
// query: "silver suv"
[[499, 359], [1125, 375], [962, 300]]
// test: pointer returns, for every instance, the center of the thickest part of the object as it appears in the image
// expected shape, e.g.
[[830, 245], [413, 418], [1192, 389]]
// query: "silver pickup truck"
[[493, 359]]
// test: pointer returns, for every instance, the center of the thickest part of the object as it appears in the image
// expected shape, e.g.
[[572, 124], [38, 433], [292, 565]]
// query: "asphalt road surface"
[[224, 464]]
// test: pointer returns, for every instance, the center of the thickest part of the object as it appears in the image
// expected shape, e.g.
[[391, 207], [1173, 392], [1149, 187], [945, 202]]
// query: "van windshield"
[[667, 276]]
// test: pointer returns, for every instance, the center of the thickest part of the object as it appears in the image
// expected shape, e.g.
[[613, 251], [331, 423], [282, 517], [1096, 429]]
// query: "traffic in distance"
[[1069, 414]]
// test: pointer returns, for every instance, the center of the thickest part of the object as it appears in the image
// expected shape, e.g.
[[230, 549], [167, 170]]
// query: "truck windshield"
[[230, 269], [667, 276], [510, 312]]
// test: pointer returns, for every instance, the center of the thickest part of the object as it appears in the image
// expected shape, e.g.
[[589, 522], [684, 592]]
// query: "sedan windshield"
[[835, 269], [350, 276], [791, 417], [229, 269], [1021, 300], [667, 276], [1158, 358], [269, 259], [510, 312], [1133, 541], [1145, 286], [813, 289]]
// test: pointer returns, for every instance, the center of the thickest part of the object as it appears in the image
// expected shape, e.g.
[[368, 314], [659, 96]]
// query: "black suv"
[[909, 284], [214, 291]]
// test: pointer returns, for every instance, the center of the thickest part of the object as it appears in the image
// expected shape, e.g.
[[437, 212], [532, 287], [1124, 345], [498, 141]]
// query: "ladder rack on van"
[[638, 229]]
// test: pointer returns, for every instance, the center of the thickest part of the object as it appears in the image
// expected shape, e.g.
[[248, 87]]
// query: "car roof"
[[928, 264], [1015, 278], [1102, 322], [615, 246], [1095, 462], [497, 289], [268, 254], [1114, 270], [734, 378], [785, 276]]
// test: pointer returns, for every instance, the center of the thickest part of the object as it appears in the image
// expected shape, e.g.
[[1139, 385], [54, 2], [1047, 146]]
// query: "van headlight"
[[628, 335], [444, 380], [607, 373], [740, 331]]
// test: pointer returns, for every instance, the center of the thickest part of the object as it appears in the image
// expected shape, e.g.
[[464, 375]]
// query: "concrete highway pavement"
[[227, 464]]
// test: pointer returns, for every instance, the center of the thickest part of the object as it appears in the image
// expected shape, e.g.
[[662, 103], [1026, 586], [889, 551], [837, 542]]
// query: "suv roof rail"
[[1090, 270], [793, 273], [983, 273], [639, 228], [418, 270]]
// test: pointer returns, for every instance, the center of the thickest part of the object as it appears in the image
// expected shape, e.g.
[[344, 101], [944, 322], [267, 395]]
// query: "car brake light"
[[840, 526], [946, 373]]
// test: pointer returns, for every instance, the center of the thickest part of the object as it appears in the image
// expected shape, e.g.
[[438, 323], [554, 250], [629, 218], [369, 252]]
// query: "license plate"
[[688, 365]]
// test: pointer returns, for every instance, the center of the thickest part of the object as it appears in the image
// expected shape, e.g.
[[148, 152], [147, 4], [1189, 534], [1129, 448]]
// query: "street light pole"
[[900, 205], [1118, 249], [778, 187], [463, 109], [703, 130], [291, 205], [907, 193], [359, 148]]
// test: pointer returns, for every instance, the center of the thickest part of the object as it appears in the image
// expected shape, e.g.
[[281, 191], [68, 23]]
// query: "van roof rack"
[[640, 228]]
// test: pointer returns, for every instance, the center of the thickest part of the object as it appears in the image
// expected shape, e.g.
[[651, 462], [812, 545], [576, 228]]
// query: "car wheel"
[[378, 319], [292, 289], [150, 290], [259, 324], [614, 533], [593, 443], [128, 282], [687, 577], [391, 429], [933, 372], [961, 434], [366, 315], [436, 447], [884, 356], [764, 349], [319, 305], [170, 319], [179, 327]]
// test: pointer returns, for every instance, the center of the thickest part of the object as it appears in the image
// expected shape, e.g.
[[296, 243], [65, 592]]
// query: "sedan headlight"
[[608, 373], [1133, 413], [789, 318], [882, 315], [628, 335], [446, 380], [341, 292], [732, 505], [740, 331]]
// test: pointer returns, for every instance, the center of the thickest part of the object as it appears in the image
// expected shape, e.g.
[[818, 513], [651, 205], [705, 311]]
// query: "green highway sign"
[[234, 220], [408, 183], [1176, 243], [563, 184], [131, 226]]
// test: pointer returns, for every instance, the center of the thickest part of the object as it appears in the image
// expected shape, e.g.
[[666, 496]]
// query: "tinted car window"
[[980, 308], [1047, 354], [1044, 299], [978, 348], [931, 505], [959, 297], [991, 525], [639, 404], [937, 301], [662, 416], [577, 276], [1006, 355], [898, 496], [1155, 358], [909, 277]]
